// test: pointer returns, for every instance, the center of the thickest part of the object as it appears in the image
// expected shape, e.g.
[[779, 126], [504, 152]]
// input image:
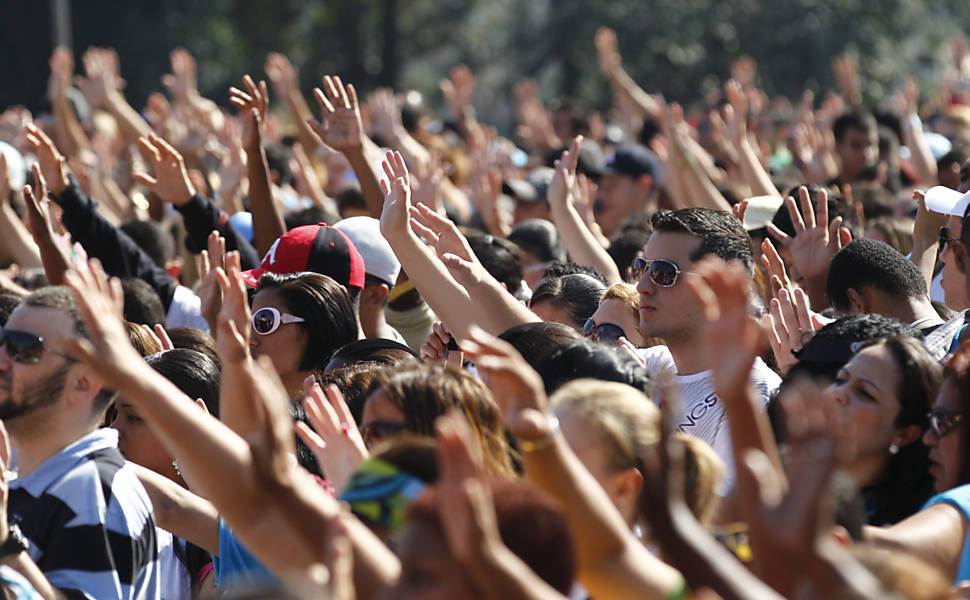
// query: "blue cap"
[[634, 160]]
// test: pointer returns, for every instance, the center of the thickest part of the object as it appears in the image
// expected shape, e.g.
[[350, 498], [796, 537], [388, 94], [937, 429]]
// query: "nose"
[[837, 394], [929, 438], [645, 286]]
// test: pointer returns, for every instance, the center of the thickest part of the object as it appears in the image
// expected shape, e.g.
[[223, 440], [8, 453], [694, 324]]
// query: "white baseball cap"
[[943, 200], [379, 259], [761, 211]]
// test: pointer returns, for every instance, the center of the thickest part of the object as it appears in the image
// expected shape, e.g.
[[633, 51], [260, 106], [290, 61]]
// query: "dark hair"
[[530, 524], [867, 263], [585, 359], [500, 258], [858, 121], [838, 207], [424, 392], [625, 245], [957, 373], [309, 216], [153, 239], [353, 380], [350, 198], [539, 238], [560, 269], [876, 200], [330, 320], [192, 372], [380, 351], [907, 483], [536, 341], [191, 338], [142, 304], [578, 294], [720, 233], [278, 159], [8, 302]]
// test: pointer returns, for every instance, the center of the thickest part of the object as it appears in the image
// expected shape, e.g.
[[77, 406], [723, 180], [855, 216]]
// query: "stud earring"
[[894, 449]]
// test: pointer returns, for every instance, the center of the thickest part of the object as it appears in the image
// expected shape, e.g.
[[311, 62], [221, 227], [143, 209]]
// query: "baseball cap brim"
[[251, 277], [943, 200]]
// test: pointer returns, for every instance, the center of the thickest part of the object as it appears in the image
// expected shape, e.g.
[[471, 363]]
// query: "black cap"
[[634, 160], [521, 190], [540, 178]]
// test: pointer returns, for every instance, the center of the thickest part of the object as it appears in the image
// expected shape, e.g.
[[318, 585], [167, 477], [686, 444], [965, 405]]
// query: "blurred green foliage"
[[681, 48]]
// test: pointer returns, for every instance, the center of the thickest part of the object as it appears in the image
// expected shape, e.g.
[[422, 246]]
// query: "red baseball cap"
[[316, 248]]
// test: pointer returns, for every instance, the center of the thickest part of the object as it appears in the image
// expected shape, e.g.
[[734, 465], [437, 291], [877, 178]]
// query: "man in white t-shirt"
[[669, 311]]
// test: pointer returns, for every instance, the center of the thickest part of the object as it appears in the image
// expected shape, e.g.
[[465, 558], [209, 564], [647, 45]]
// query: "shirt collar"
[[55, 467]]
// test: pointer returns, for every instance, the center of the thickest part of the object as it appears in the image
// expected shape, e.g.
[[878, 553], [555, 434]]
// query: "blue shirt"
[[236, 567], [958, 498]]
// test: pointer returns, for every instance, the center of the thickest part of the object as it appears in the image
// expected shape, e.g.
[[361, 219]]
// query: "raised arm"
[[286, 84], [70, 133], [581, 245], [253, 104], [436, 277], [181, 512], [912, 129], [736, 118], [103, 89], [611, 64], [612, 562], [16, 237], [343, 131]]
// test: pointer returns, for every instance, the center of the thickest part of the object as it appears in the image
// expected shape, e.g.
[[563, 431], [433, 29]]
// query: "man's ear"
[[375, 295], [174, 268], [645, 181], [83, 385], [860, 304]]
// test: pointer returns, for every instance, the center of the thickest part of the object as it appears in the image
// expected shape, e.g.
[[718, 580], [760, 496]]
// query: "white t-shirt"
[[701, 412], [175, 582]]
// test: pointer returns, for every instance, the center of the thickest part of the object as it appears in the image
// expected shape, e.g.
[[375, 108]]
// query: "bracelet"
[[544, 442]]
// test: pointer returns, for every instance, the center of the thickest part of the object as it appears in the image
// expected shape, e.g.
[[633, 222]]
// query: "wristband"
[[544, 442]]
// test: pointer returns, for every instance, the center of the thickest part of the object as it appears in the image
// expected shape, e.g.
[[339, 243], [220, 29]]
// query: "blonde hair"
[[628, 294], [703, 474], [624, 419]]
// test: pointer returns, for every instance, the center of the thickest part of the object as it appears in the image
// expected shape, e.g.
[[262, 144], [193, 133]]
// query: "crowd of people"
[[376, 349]]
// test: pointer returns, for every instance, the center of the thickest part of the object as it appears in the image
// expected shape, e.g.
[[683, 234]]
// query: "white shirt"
[[175, 582], [701, 413]]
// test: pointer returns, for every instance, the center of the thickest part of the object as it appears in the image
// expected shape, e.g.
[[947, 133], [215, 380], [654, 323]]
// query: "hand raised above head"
[[341, 128], [171, 182]]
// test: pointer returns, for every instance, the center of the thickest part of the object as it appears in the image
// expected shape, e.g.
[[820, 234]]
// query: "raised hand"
[[459, 89], [271, 441], [103, 76], [253, 105], [790, 325], [53, 165], [282, 74], [515, 386], [38, 206], [385, 114], [428, 177], [182, 81], [435, 348], [209, 262], [62, 70], [334, 438], [397, 197], [107, 350], [816, 240], [607, 50], [171, 182], [732, 338], [341, 129], [563, 183], [235, 309]]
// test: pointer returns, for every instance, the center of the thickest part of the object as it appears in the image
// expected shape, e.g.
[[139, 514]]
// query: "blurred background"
[[681, 48]]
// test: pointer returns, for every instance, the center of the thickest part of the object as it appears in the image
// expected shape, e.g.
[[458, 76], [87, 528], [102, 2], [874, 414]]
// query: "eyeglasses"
[[376, 431], [604, 332], [663, 272], [945, 238], [943, 422], [267, 320], [24, 348]]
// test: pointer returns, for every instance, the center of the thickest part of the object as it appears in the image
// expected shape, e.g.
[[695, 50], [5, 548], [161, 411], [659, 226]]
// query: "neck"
[[911, 310], [294, 384], [373, 325], [689, 356], [37, 439]]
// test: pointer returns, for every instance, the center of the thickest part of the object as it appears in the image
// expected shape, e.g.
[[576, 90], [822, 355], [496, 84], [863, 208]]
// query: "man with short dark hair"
[[856, 144], [668, 310], [86, 520], [868, 276]]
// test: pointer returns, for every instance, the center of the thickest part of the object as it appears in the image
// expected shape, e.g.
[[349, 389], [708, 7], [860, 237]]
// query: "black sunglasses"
[[604, 332], [662, 272], [943, 422], [945, 238], [24, 348]]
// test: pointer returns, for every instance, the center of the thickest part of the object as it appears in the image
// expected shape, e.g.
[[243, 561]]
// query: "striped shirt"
[[89, 522]]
